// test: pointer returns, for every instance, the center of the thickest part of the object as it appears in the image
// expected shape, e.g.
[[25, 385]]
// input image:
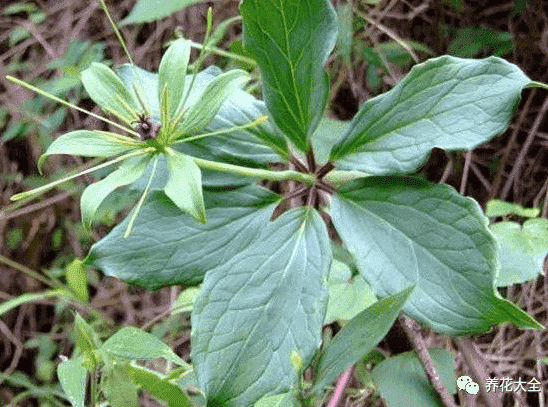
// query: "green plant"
[[199, 146], [522, 247]]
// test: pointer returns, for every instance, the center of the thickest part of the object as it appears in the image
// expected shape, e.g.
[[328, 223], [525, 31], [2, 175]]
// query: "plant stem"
[[223, 53], [47, 187], [255, 172], [412, 329], [64, 102]]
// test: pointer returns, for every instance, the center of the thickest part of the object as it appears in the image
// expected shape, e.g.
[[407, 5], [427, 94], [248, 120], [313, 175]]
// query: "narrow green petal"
[[88, 143], [172, 73], [215, 94], [95, 194], [137, 208], [47, 187], [108, 91], [184, 186]]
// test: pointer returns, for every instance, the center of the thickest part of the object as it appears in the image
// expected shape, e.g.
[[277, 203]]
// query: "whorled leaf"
[[145, 82], [291, 40], [405, 230], [259, 308], [167, 246], [172, 73], [446, 102], [88, 143], [184, 185], [129, 171], [108, 91], [214, 95], [255, 146]]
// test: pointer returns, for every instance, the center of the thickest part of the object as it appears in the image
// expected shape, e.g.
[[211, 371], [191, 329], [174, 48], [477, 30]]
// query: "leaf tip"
[[18, 196]]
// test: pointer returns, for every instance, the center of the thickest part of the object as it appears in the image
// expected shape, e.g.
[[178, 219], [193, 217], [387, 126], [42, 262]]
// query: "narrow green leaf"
[[215, 94], [29, 297], [129, 171], [184, 186], [172, 73], [137, 208], [118, 387], [150, 10], [77, 279], [88, 143], [256, 309], [291, 40], [402, 381], [87, 341], [405, 230], [346, 31], [72, 377], [108, 91], [358, 337], [167, 246], [445, 102], [134, 343], [158, 386]]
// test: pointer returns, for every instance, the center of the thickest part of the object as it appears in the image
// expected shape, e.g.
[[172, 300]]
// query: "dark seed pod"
[[146, 128]]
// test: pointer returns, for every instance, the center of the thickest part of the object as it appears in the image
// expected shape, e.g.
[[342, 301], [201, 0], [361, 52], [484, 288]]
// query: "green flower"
[[177, 121]]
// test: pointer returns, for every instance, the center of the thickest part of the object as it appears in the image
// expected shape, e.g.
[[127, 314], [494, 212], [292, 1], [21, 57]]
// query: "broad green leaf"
[[347, 296], [77, 279], [134, 343], [150, 10], [158, 386], [402, 381], [446, 102], [405, 230], [72, 377], [496, 207], [256, 309], [118, 387], [167, 247], [279, 400], [522, 250], [358, 337], [129, 171], [184, 186], [88, 143], [108, 91], [172, 73], [291, 40], [214, 95], [327, 134]]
